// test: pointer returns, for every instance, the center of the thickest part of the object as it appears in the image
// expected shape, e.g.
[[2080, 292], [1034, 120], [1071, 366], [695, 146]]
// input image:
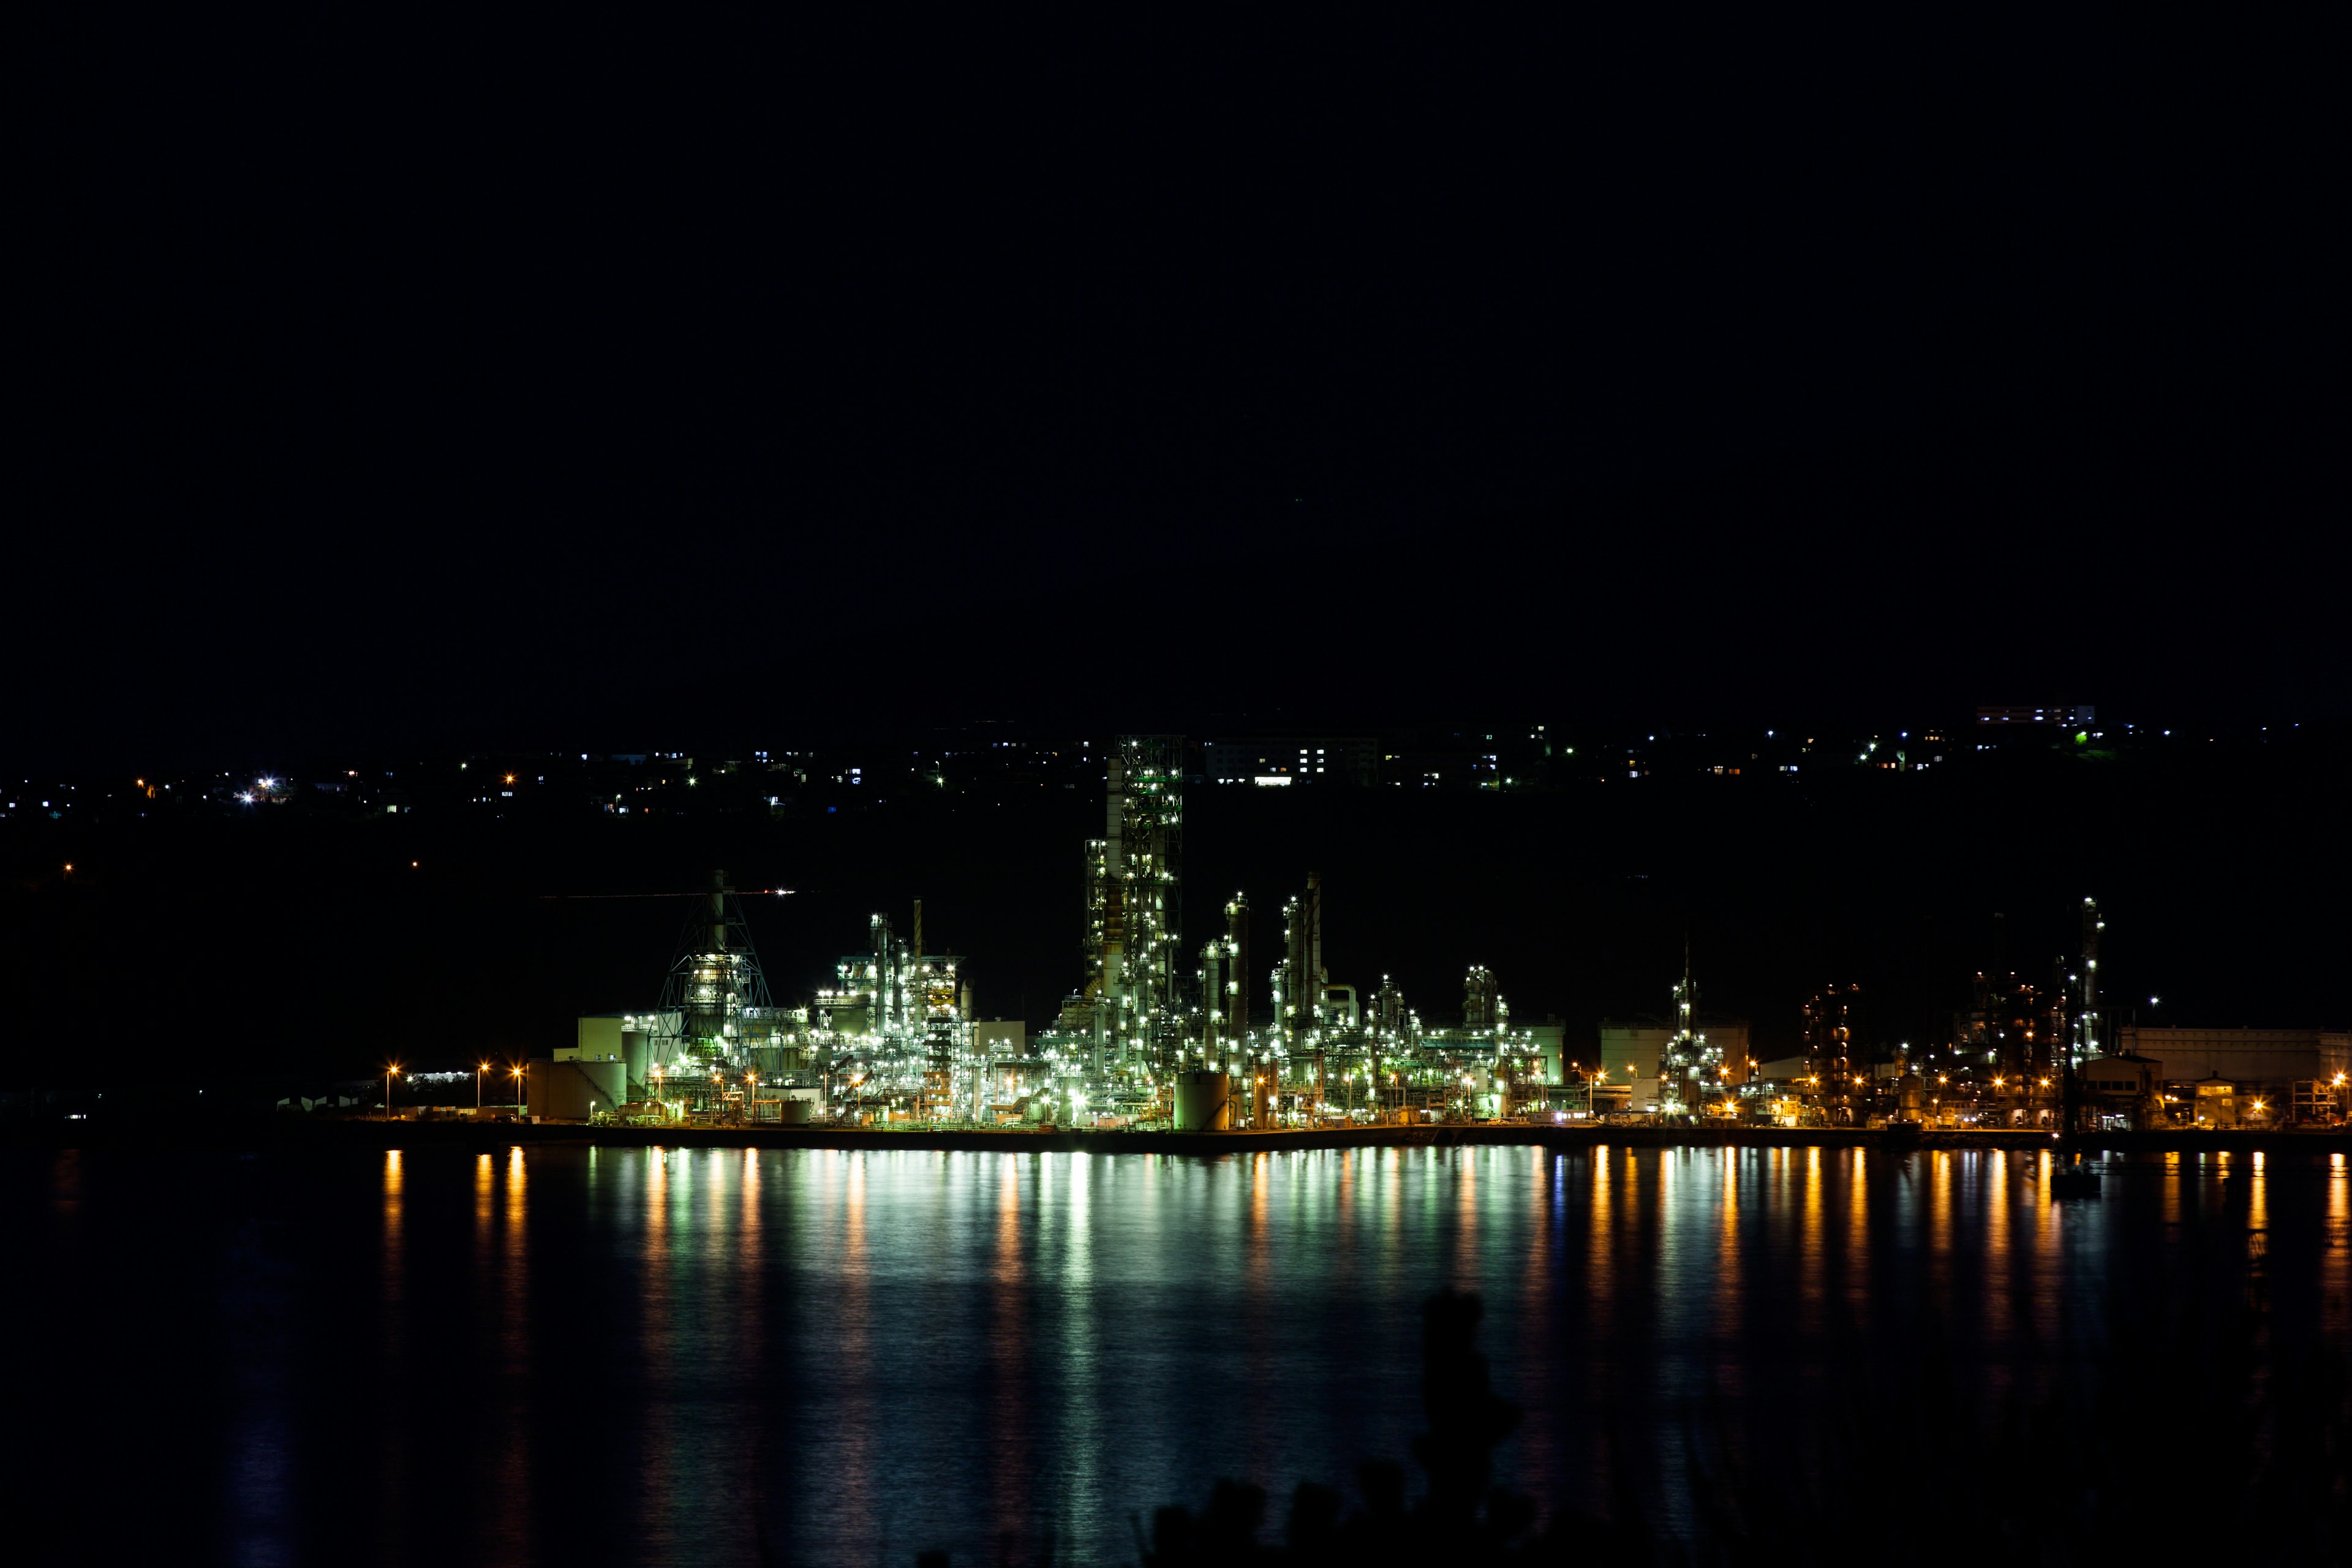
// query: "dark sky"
[[416, 376]]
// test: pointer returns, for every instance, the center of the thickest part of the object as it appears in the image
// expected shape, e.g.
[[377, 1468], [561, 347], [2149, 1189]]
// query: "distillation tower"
[[1690, 1066], [1135, 1013]]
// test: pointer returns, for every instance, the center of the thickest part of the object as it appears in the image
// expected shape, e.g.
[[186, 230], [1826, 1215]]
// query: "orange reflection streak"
[[2172, 1186], [486, 1187], [1939, 1224], [661, 1444], [514, 1466], [1857, 1239], [2043, 1262], [2335, 1259], [1535, 1435], [1260, 1178], [1729, 1305], [1999, 1256], [2257, 1205], [517, 1280], [1263, 1400], [1811, 1249], [1007, 1270], [395, 1186], [1600, 1236], [1008, 1476], [392, 1465], [1601, 1285]]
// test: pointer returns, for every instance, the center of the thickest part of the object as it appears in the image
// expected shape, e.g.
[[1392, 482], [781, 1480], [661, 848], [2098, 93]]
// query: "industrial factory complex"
[[1247, 1029]]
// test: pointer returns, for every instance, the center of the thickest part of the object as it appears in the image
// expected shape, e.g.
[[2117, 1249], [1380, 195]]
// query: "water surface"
[[828, 1357]]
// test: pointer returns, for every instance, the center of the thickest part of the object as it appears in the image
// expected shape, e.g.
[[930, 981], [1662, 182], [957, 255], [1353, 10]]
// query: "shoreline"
[[265, 1134]]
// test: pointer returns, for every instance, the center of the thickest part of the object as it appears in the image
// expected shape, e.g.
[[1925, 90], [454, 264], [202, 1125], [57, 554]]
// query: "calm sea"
[[722, 1356]]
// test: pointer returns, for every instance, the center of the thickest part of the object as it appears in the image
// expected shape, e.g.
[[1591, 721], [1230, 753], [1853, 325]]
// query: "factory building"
[[1632, 1052], [1687, 1064], [2231, 1077], [1677, 1065]]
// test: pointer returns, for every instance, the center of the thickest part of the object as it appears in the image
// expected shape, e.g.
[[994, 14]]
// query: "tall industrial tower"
[[1829, 1052], [1224, 989], [1135, 895], [1689, 1062], [715, 992], [1299, 978], [1152, 836]]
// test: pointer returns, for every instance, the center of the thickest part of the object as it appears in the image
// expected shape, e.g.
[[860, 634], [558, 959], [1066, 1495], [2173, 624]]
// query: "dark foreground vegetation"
[[2182, 1440]]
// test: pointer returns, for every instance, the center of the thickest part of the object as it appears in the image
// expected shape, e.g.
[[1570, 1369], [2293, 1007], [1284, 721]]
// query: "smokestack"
[[719, 912], [919, 928]]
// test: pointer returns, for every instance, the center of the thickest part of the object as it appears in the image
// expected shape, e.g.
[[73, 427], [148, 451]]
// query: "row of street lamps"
[[391, 1070]]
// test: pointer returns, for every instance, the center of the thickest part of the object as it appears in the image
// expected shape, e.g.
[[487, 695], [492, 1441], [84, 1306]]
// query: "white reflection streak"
[[1080, 1339]]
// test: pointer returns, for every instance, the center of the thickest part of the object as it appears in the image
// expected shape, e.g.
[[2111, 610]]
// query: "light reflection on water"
[[848, 1357]]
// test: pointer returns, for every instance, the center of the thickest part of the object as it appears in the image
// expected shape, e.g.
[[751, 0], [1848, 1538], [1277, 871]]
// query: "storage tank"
[[1203, 1102]]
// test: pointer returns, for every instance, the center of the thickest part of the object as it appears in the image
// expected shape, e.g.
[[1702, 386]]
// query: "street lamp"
[[478, 1089], [518, 1074], [390, 1072]]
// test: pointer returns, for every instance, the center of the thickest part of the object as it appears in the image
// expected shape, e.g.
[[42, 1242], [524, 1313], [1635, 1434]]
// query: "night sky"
[[616, 377]]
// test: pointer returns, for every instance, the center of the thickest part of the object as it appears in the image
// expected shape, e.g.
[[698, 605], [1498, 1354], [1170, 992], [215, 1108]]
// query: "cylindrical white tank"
[[1203, 1102]]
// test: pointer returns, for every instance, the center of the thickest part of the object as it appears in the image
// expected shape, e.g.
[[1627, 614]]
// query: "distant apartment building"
[[1352, 759], [2076, 716]]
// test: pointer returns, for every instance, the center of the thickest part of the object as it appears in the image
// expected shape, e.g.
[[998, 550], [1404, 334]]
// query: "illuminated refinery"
[[1148, 1040]]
